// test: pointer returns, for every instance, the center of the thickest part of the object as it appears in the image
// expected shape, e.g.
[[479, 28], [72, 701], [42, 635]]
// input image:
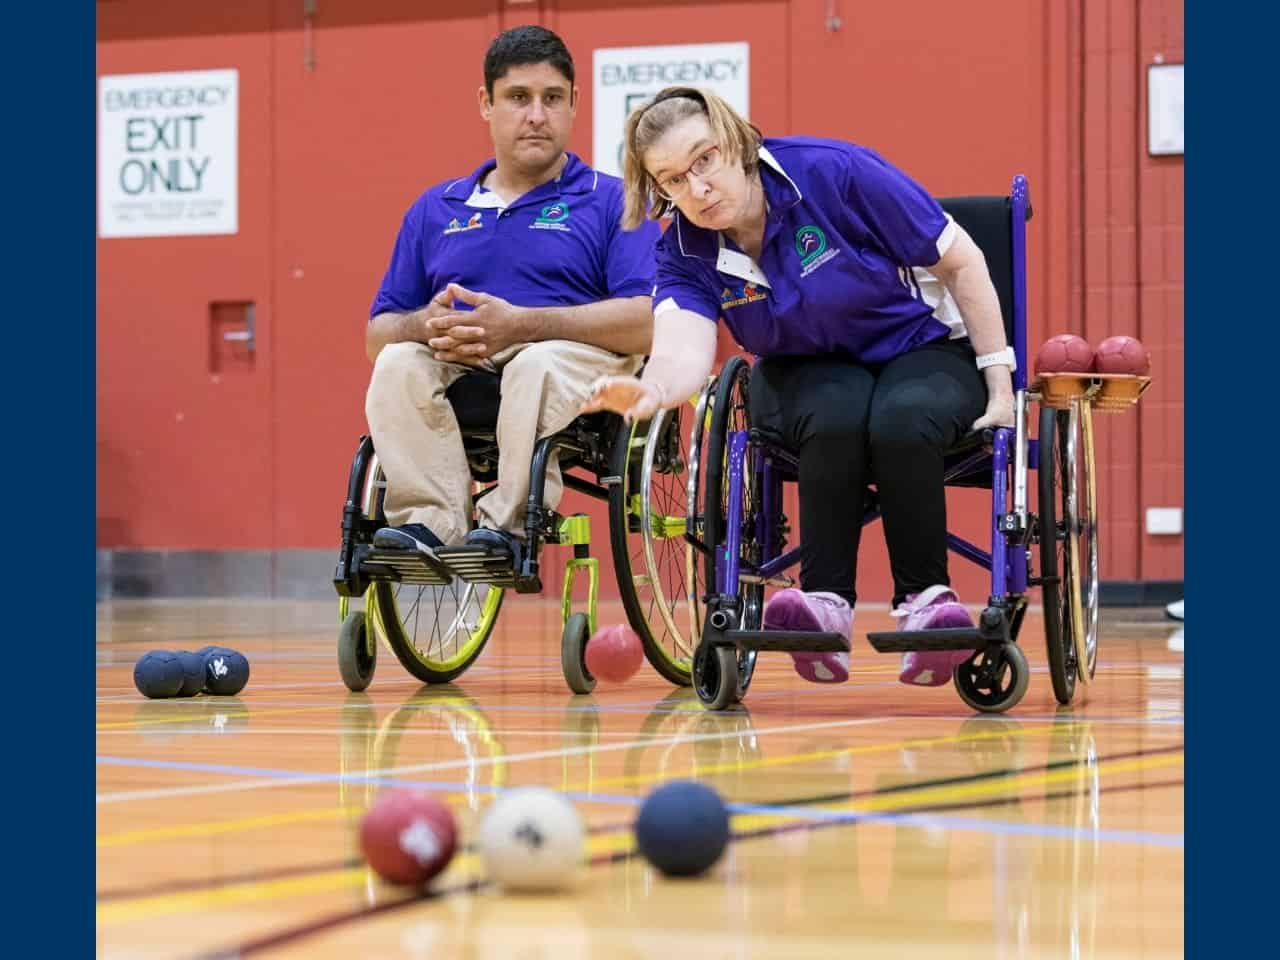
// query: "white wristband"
[[1005, 357], [662, 392]]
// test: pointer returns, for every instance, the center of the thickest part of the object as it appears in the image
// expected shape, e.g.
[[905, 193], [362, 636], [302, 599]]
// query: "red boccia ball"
[[1123, 355], [614, 654], [408, 836], [1065, 353]]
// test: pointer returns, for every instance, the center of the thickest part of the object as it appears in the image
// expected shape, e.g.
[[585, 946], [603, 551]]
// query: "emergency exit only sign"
[[167, 154]]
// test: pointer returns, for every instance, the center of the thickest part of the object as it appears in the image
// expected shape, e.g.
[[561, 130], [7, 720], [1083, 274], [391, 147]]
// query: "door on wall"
[[184, 361]]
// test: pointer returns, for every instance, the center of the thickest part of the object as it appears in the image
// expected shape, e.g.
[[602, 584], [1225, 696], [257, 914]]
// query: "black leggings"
[[854, 424]]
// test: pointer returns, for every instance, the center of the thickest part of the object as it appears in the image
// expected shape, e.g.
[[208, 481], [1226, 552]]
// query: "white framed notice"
[[168, 154], [624, 77], [1165, 136]]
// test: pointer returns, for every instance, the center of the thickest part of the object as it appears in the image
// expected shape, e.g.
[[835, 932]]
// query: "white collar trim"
[[740, 265], [485, 199], [768, 158]]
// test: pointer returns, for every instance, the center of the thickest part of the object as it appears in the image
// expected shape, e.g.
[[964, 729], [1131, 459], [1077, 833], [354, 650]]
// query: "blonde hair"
[[738, 139]]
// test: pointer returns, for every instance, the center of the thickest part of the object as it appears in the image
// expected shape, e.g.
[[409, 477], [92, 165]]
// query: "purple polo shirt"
[[839, 272], [558, 245]]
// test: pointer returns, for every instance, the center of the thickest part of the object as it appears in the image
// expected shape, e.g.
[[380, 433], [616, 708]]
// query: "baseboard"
[[284, 574], [1138, 593]]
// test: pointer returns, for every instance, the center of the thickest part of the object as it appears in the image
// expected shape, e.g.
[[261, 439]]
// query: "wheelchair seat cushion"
[[978, 475], [475, 398]]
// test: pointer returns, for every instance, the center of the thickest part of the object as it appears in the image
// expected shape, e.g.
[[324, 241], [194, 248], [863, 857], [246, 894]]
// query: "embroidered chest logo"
[[552, 217], [747, 293], [811, 245], [456, 226]]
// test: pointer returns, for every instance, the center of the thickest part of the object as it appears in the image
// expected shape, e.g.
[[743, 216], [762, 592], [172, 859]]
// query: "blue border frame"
[[1231, 224], [49, 233]]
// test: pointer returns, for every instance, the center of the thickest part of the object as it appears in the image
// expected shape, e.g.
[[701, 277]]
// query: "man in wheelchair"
[[878, 331], [519, 269]]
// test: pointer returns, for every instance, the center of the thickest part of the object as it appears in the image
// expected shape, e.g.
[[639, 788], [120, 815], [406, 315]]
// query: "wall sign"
[[624, 77], [1165, 135], [167, 154]]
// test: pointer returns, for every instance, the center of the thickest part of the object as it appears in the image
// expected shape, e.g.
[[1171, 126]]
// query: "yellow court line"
[[126, 837], [791, 758], [598, 845], [209, 828], [911, 797], [468, 864], [250, 823], [998, 786], [231, 895]]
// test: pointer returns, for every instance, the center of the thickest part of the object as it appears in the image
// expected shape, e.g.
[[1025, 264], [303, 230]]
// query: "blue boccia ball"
[[225, 672], [158, 674], [683, 828], [192, 673]]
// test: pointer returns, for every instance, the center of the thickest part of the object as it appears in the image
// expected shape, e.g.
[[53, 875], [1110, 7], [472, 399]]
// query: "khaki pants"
[[419, 444]]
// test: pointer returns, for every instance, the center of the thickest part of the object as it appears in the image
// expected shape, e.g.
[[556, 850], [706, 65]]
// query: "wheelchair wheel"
[[436, 632], [715, 676], [659, 576], [729, 414], [573, 654], [1083, 516], [990, 687], [1068, 547], [357, 651]]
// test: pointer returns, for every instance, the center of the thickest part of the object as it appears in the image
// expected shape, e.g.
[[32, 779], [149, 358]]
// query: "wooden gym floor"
[[872, 819]]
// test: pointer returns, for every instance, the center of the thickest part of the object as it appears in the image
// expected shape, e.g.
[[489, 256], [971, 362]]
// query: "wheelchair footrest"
[[788, 641], [952, 638], [404, 566], [479, 565]]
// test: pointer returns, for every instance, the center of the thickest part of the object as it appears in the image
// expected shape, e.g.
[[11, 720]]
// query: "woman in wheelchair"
[[877, 328]]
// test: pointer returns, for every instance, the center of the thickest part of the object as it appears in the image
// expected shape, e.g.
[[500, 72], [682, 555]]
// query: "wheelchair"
[[437, 620], [736, 533]]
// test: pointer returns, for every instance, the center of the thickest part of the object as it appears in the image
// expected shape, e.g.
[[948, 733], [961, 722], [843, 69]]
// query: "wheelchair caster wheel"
[[357, 656], [573, 654], [715, 676], [993, 680]]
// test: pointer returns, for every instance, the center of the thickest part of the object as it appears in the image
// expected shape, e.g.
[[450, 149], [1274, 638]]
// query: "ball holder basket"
[[1104, 392]]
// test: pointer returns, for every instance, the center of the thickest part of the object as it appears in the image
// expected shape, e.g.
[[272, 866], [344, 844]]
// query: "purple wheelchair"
[[735, 532]]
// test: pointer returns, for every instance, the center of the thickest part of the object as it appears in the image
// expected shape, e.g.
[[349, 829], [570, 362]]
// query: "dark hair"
[[520, 45]]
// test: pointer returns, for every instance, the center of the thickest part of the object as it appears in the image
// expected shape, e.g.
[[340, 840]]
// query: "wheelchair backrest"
[[989, 220]]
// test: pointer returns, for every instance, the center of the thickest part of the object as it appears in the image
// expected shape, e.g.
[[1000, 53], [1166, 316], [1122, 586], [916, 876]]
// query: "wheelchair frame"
[[598, 443], [995, 678], [360, 565]]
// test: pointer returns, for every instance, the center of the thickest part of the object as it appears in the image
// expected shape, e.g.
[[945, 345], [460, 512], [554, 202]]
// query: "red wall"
[[331, 157]]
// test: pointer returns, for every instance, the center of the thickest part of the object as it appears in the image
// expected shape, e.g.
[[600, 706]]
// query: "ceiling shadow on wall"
[[149, 19], [143, 19]]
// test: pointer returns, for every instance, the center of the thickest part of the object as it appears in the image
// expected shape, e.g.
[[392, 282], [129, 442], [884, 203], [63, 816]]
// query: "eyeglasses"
[[676, 185]]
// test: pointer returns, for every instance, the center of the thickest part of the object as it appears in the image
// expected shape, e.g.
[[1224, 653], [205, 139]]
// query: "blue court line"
[[999, 827], [1174, 840]]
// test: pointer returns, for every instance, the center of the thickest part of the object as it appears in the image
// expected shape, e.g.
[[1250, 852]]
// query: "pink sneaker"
[[933, 609], [793, 609]]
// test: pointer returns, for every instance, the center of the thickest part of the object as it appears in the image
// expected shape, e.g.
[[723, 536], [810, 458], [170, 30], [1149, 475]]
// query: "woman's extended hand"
[[633, 398]]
